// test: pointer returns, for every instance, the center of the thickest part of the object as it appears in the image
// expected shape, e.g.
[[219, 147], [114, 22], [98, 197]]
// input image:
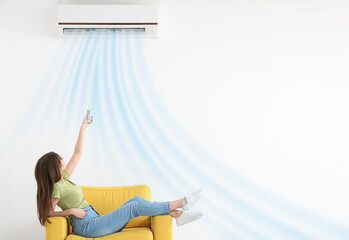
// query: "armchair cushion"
[[139, 233], [107, 199]]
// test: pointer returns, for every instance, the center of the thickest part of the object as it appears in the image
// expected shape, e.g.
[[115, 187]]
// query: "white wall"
[[261, 86]]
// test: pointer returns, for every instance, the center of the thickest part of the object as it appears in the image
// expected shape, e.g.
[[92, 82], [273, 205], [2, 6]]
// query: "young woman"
[[55, 188]]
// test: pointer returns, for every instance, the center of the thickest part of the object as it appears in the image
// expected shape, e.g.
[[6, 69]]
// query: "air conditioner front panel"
[[89, 14]]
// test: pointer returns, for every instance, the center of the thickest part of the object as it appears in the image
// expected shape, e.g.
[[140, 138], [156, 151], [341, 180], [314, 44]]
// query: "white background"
[[262, 85]]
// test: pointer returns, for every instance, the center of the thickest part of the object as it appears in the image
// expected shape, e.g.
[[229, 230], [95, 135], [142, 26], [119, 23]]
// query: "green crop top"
[[69, 194]]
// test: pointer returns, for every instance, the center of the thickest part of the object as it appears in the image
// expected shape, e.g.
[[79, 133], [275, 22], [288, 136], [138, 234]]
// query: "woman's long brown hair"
[[47, 173]]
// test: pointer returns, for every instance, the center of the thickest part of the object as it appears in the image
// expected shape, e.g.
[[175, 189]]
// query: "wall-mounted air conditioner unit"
[[75, 18]]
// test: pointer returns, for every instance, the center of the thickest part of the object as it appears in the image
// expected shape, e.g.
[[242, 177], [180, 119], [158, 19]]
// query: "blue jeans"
[[93, 225]]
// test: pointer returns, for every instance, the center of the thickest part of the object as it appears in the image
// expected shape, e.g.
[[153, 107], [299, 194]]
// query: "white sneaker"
[[192, 198], [187, 217]]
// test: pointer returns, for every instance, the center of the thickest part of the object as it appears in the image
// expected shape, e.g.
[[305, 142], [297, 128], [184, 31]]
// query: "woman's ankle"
[[176, 213], [178, 203]]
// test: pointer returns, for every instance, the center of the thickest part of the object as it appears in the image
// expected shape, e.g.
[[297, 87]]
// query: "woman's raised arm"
[[73, 162]]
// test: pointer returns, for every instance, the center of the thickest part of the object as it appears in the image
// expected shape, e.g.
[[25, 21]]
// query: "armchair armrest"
[[161, 226], [58, 229]]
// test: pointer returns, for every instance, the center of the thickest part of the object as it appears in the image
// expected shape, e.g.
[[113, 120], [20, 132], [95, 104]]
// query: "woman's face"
[[62, 163]]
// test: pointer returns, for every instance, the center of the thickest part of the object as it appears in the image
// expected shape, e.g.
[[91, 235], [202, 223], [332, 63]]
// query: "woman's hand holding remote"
[[85, 123]]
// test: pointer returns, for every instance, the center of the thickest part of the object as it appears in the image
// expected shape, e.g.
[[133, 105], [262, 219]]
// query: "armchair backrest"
[[106, 199]]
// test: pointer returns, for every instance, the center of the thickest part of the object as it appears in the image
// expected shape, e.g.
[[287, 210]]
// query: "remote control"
[[88, 116]]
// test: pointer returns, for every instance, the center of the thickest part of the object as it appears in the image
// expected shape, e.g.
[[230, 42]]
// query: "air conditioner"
[[85, 18]]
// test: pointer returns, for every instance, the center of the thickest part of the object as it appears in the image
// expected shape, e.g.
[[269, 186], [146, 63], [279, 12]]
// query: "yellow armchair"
[[107, 199]]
